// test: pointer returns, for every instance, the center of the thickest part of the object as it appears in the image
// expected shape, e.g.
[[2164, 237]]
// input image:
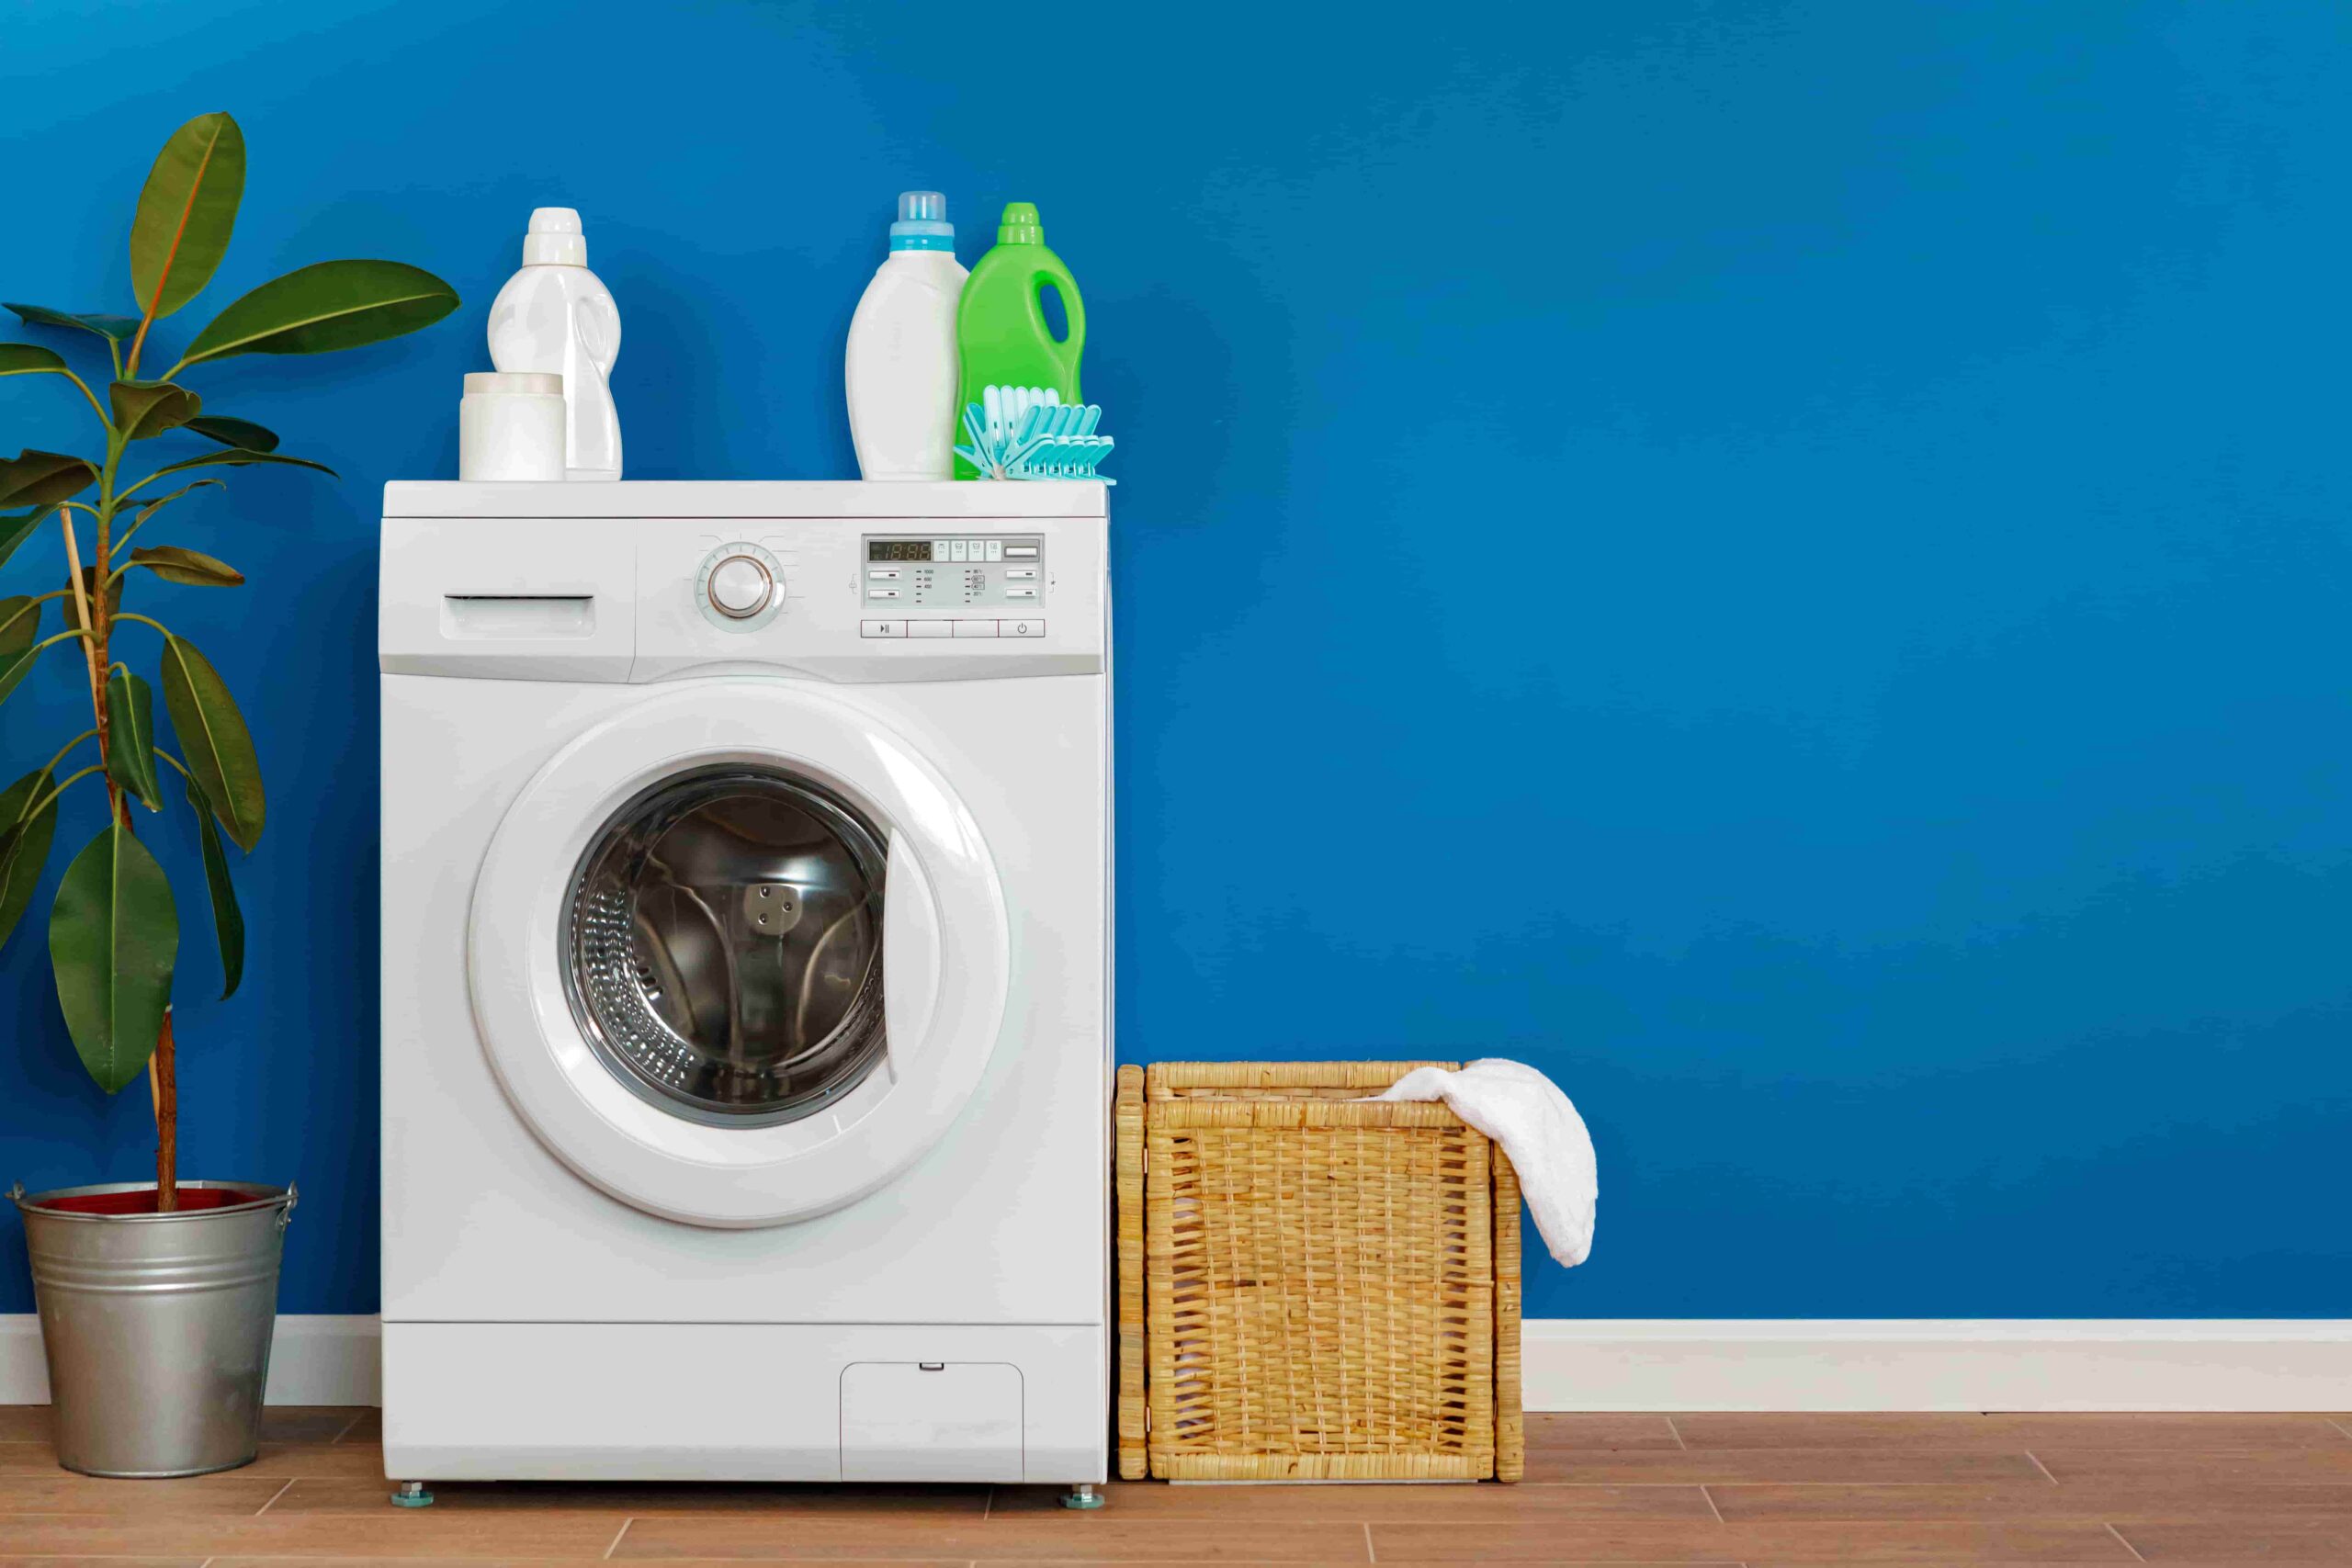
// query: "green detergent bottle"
[[1001, 332]]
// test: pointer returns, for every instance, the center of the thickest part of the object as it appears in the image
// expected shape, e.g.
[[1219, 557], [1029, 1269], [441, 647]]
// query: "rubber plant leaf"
[[237, 458], [142, 409], [43, 478], [29, 359], [24, 845], [118, 327], [227, 921], [131, 738], [19, 629], [181, 229], [15, 527], [113, 935], [190, 569], [231, 431], [214, 742], [324, 307]]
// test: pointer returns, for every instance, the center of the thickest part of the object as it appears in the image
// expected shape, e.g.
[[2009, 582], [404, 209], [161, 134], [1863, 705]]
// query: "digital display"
[[898, 550]]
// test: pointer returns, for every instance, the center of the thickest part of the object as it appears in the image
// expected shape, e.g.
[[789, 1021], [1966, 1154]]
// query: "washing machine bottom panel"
[[745, 1402]]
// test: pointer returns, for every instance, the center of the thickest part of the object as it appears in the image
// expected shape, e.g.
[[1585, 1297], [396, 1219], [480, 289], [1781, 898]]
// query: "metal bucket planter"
[[157, 1326]]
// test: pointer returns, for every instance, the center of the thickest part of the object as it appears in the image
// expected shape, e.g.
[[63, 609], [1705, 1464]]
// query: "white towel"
[[1527, 1114]]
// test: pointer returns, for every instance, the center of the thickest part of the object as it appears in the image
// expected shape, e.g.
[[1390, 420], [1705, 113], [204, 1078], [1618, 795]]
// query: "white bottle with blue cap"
[[901, 365]]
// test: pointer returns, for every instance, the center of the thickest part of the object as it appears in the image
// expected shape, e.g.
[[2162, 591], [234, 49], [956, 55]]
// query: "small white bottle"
[[554, 316], [902, 367]]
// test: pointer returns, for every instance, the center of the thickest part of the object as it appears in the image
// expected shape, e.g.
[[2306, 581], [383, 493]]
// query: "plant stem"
[[98, 621], [136, 524], [88, 396], [55, 637], [164, 1080], [64, 749], [61, 787]]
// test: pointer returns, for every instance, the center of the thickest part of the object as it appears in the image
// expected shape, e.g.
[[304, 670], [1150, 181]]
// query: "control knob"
[[740, 587]]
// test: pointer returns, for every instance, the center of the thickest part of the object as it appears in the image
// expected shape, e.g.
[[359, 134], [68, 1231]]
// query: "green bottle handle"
[[1066, 350]]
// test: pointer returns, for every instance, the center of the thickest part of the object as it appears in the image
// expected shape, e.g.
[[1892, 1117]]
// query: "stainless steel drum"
[[157, 1326], [723, 944]]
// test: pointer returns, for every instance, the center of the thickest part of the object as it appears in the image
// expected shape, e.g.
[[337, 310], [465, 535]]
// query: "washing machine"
[[746, 998]]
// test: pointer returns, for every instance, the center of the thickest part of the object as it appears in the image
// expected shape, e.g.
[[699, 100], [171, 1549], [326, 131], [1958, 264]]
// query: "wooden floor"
[[1759, 1490]]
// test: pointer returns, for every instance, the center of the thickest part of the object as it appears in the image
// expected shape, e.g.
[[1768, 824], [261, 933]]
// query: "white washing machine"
[[746, 1041]]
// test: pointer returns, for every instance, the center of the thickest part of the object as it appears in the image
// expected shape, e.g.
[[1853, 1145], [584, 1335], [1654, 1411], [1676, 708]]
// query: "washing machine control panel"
[[985, 585]]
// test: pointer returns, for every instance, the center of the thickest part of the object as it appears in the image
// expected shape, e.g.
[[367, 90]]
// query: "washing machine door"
[[736, 981]]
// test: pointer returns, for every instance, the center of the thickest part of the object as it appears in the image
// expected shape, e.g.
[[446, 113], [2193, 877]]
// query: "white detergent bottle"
[[901, 365], [555, 318]]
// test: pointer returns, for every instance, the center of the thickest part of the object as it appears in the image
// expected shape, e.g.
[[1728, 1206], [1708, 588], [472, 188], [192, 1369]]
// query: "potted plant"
[[156, 1301]]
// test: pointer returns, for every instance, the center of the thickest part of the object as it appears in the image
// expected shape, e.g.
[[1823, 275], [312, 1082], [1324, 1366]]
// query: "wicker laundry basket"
[[1311, 1289]]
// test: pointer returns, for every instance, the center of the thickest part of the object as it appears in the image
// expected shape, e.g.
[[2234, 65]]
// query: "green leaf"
[[112, 939], [230, 432], [23, 627], [29, 359], [20, 626], [131, 738], [214, 740], [39, 478], [24, 845], [15, 527], [237, 458], [324, 307], [117, 328], [186, 212], [142, 409], [190, 569], [227, 921]]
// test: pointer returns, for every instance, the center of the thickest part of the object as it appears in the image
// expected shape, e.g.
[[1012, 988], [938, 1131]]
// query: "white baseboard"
[[1937, 1364], [1683, 1363], [314, 1359]]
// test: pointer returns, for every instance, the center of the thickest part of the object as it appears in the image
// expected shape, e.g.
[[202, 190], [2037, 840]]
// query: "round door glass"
[[723, 944]]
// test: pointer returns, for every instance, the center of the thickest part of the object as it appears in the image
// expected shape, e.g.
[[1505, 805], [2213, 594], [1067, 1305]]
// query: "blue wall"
[[1784, 561]]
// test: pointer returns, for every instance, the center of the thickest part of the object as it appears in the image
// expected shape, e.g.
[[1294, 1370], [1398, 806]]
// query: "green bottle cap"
[[1018, 226]]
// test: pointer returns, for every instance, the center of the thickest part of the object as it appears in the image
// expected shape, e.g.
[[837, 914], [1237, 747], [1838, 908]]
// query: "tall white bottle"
[[901, 365], [555, 317]]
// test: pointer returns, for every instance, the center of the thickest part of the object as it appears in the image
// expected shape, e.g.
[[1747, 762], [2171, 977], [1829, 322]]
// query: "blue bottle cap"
[[923, 222]]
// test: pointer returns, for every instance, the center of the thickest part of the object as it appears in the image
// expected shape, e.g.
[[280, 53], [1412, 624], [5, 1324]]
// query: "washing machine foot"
[[411, 1494], [1083, 1495]]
